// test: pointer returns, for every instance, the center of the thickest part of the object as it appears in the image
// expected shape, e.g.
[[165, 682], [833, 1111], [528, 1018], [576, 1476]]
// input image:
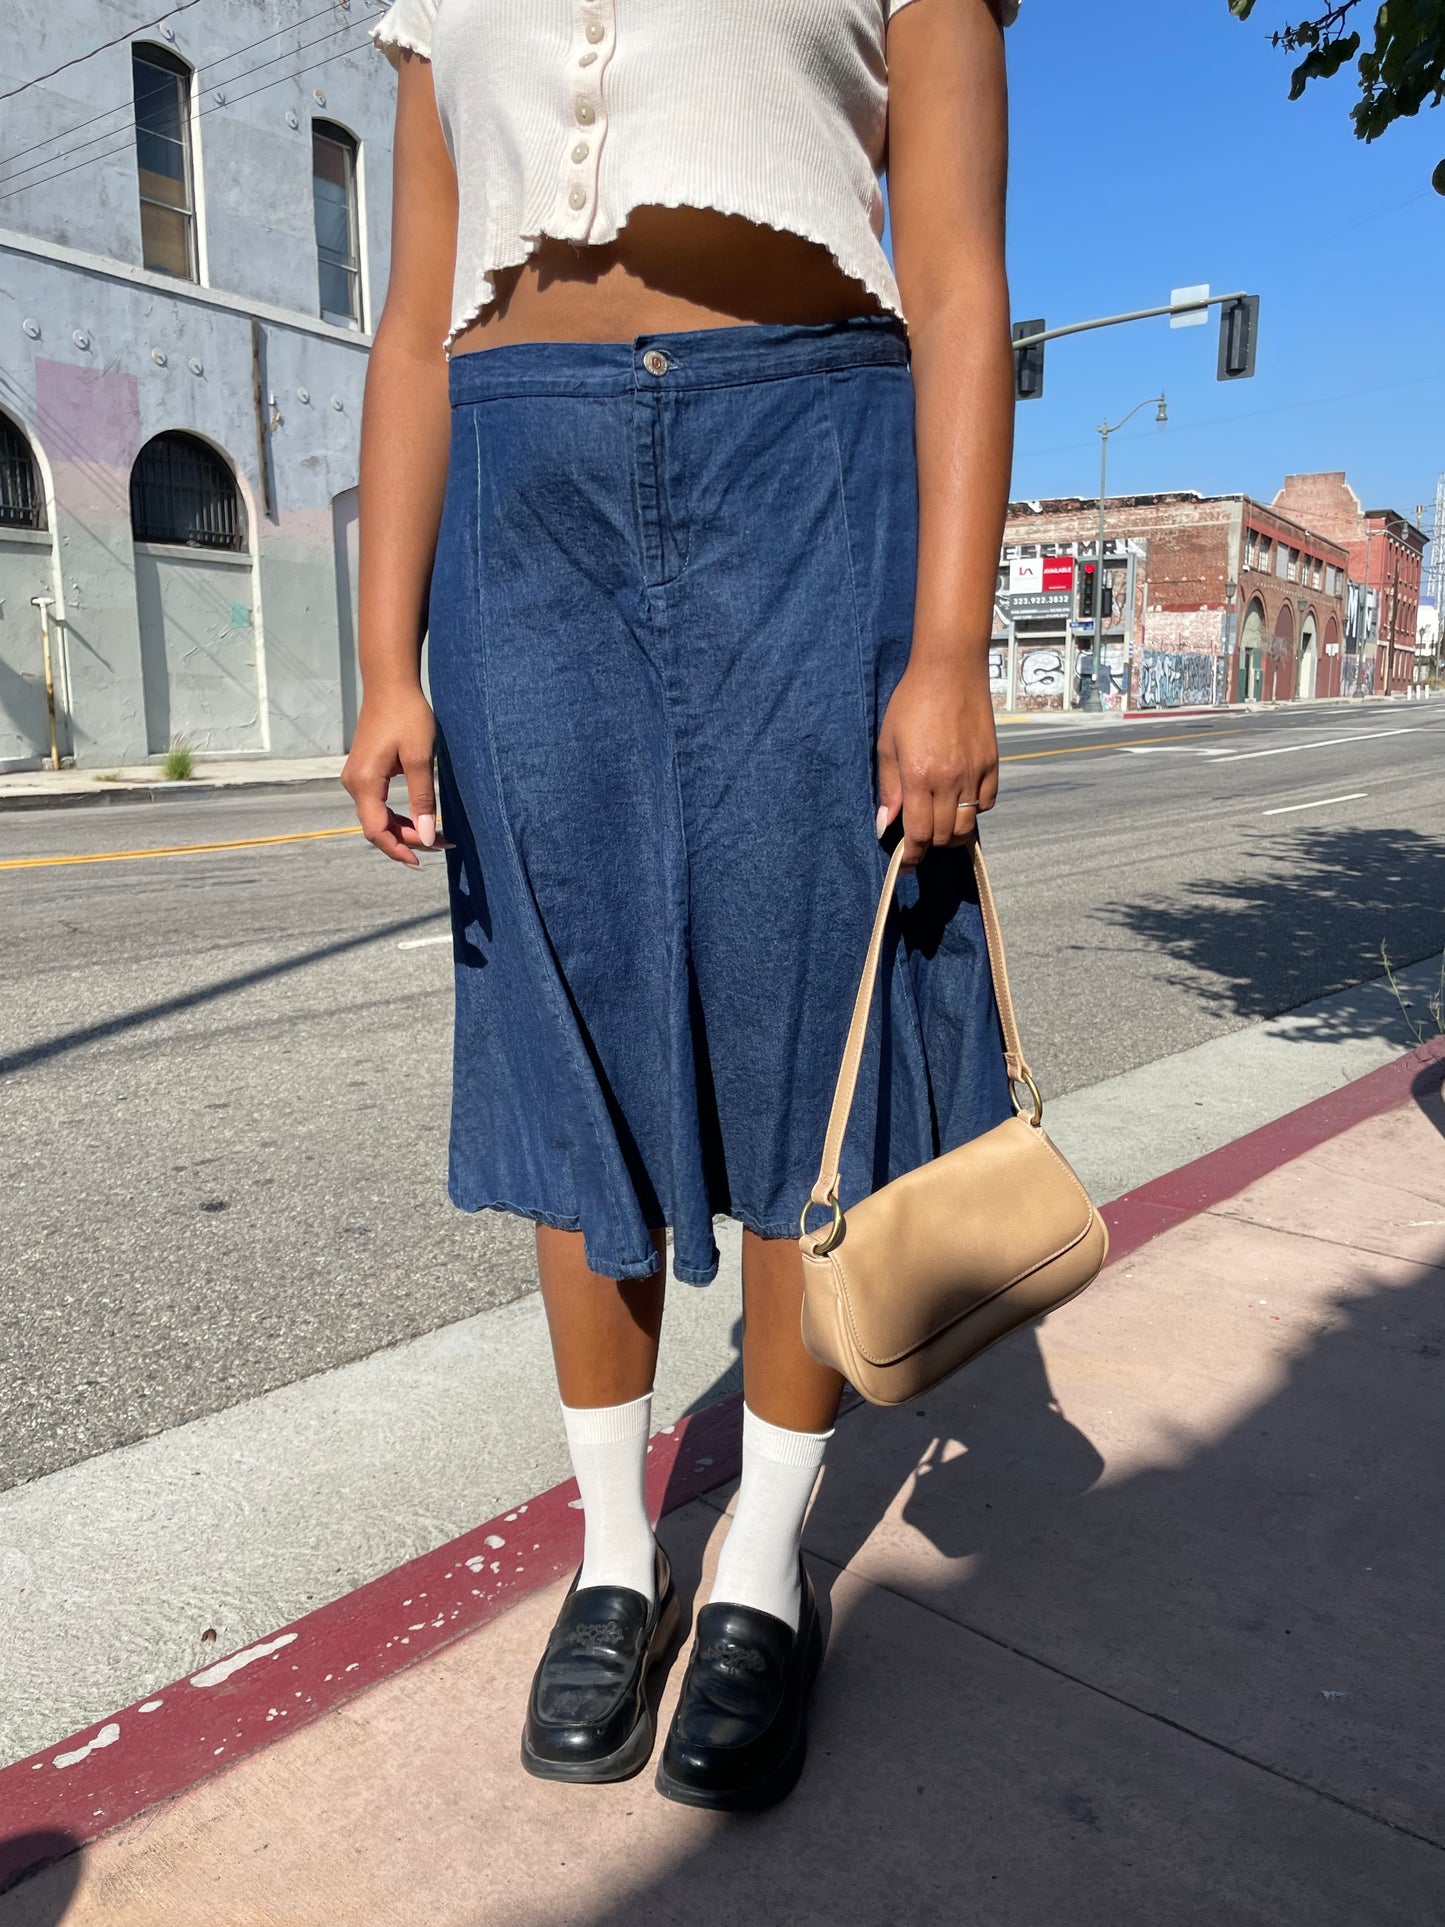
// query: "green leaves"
[[1322, 62], [1402, 71]]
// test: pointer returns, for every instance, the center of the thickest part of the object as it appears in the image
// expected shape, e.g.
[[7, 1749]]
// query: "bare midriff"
[[670, 269]]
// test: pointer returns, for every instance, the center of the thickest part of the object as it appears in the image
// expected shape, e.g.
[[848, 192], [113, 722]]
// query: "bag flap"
[[939, 1242]]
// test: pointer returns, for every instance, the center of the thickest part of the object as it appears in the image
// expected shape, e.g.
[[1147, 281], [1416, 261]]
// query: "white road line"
[[420, 943], [1288, 808], [1329, 742]]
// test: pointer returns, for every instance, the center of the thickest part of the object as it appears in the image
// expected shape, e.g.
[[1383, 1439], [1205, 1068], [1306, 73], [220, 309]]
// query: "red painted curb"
[[1179, 1195], [70, 1794], [161, 1746]]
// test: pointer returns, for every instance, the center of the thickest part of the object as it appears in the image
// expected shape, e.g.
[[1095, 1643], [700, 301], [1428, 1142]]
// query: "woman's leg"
[[783, 1382], [790, 1404], [604, 1342]]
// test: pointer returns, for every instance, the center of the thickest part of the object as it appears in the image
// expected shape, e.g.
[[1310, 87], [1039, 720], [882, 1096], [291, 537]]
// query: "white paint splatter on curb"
[[223, 1669], [107, 1736]]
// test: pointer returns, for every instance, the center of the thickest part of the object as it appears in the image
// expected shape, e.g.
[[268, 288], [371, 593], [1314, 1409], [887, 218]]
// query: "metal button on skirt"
[[673, 593]]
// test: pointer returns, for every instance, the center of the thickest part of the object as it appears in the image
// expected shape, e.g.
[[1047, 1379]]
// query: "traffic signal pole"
[[1113, 320]]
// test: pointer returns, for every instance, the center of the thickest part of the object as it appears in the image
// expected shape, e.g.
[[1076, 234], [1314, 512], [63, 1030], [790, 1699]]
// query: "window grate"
[[22, 505], [181, 491]]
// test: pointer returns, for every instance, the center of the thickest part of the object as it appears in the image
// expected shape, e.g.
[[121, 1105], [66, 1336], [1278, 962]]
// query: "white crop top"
[[561, 116]]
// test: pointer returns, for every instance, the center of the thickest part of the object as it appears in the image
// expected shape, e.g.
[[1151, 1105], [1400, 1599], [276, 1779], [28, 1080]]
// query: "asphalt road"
[[223, 1075]]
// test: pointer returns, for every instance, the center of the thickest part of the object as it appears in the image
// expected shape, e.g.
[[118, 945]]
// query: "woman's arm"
[[405, 433], [947, 169]]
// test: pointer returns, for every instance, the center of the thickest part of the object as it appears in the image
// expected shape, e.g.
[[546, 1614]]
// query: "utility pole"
[[1092, 700]]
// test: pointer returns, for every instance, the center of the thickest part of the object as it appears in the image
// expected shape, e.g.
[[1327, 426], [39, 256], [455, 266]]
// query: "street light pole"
[[1093, 700]]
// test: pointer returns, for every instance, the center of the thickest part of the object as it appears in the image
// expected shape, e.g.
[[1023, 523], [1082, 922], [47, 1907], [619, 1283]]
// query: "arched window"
[[162, 82], [22, 502], [181, 491], [338, 241]]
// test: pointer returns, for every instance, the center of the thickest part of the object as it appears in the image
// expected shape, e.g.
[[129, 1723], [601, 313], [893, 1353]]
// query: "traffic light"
[[1238, 337], [1028, 362], [1088, 577]]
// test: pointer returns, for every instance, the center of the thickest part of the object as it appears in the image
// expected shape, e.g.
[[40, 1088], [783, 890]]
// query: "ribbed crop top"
[[561, 116]]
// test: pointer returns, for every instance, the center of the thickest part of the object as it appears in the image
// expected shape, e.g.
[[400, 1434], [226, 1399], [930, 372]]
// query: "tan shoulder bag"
[[910, 1283]]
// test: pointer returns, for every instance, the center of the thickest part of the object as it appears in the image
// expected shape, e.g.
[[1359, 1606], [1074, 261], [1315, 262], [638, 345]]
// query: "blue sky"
[[1155, 146]]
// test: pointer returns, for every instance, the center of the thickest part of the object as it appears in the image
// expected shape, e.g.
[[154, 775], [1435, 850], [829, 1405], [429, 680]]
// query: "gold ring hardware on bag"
[[1026, 1079], [834, 1231]]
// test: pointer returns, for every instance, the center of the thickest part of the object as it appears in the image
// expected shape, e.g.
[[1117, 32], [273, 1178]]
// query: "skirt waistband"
[[690, 358]]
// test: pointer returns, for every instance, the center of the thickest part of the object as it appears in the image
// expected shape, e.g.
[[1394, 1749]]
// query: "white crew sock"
[[759, 1562], [608, 1444]]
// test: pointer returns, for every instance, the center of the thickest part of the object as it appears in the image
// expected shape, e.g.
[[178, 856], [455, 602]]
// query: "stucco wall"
[[199, 665], [253, 168], [97, 356], [24, 572]]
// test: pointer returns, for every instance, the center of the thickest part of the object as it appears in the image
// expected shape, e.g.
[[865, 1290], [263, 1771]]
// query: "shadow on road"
[[52, 1047], [1310, 924]]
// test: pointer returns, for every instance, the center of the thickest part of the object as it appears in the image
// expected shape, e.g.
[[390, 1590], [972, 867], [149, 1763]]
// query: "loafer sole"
[[774, 1786], [636, 1750]]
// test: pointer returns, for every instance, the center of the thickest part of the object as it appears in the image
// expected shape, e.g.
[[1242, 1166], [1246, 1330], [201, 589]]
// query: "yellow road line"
[[308, 836], [1087, 749], [179, 849]]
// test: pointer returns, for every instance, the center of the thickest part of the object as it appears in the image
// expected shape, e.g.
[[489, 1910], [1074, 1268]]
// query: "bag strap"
[[825, 1191]]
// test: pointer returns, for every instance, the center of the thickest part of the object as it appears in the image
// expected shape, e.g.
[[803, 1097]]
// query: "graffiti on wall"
[[1178, 679], [1041, 673]]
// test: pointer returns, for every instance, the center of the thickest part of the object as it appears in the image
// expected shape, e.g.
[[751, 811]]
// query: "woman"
[[704, 539]]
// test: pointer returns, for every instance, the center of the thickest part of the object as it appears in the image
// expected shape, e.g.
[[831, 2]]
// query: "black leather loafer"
[[592, 1711], [740, 1733]]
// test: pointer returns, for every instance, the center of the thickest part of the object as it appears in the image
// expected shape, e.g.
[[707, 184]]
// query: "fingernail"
[[426, 829], [881, 820]]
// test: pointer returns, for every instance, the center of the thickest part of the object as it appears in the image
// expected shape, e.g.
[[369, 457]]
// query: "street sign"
[[1190, 307]]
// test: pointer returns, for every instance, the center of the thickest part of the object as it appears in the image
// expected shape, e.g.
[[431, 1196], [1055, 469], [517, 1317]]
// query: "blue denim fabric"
[[667, 612]]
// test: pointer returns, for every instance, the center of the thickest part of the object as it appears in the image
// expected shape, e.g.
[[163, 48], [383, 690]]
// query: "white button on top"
[[595, 31], [586, 112], [577, 197], [579, 152], [655, 362]]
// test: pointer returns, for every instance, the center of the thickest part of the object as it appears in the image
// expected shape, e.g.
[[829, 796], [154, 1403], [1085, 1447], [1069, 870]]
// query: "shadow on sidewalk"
[[44, 1849], [1196, 1689], [1311, 925]]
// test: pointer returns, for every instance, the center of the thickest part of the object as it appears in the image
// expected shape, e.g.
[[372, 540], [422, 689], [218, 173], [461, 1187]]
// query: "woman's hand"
[[937, 756], [395, 736]]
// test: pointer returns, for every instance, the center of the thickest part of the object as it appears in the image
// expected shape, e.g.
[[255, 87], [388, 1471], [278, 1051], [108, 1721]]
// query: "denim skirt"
[[673, 592]]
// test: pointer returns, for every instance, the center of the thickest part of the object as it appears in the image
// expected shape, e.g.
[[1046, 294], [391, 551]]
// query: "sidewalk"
[[51, 789], [1135, 1623], [54, 789]]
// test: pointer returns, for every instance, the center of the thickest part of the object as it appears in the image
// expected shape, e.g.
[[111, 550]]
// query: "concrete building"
[[1202, 600], [1385, 551], [193, 247]]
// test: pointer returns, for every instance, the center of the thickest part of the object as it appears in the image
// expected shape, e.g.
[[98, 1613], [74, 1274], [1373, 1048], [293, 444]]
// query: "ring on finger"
[[973, 803]]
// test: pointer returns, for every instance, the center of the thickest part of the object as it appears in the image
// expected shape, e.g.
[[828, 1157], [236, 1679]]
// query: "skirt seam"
[[871, 754], [616, 1231]]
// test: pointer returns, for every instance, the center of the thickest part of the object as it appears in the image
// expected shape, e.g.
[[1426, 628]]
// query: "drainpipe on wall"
[[263, 448], [44, 604]]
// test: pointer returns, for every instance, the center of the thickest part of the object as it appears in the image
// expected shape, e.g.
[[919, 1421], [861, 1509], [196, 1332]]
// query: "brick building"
[[1384, 548], [1205, 599]]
